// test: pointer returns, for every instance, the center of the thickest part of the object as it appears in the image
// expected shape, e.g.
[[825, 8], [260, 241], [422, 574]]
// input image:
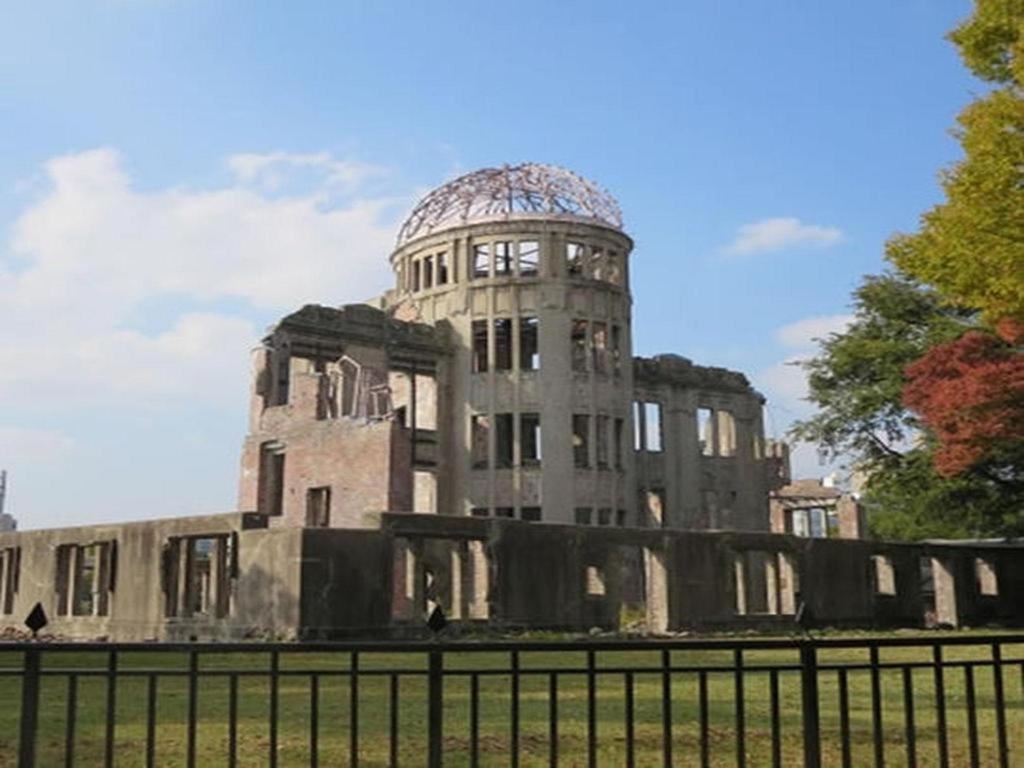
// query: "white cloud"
[[803, 333], [769, 235], [94, 250]]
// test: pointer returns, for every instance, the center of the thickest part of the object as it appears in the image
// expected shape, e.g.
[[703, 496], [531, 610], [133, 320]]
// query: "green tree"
[[857, 382], [971, 246]]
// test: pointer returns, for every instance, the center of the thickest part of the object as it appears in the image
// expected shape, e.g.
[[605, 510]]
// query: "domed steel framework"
[[529, 189]]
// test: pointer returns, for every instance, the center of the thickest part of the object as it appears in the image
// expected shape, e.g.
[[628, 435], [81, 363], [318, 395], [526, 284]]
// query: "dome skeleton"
[[510, 191]]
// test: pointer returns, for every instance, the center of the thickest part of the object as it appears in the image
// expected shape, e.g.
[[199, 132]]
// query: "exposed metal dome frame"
[[528, 189]]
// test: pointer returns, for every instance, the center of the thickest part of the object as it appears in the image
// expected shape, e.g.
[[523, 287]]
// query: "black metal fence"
[[946, 700]]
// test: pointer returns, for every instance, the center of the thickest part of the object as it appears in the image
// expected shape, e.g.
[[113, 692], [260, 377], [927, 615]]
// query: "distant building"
[[816, 508]]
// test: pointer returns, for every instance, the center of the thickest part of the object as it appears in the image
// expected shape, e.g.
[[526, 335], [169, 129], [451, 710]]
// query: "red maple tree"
[[970, 393]]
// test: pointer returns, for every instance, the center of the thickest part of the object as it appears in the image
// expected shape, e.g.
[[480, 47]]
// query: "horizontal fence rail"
[[944, 700]]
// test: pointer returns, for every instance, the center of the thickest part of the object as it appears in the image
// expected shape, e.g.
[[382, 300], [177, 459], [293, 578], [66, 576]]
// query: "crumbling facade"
[[481, 439], [497, 380]]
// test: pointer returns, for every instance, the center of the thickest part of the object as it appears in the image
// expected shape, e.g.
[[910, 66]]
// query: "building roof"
[[528, 190]]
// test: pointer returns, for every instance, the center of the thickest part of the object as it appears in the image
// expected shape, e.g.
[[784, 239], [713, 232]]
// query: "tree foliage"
[[857, 383], [971, 246], [970, 395], [857, 379]]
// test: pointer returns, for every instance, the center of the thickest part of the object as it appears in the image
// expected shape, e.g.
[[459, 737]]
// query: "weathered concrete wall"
[[263, 591], [307, 583], [346, 583]]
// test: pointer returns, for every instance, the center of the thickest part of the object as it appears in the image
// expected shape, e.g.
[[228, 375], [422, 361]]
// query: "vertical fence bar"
[[29, 708], [876, 709], [702, 703], [972, 715], [435, 711], [393, 725], [773, 694], [232, 720], [69, 721], [474, 719], [811, 717], [151, 722], [514, 709], [353, 710], [193, 692], [629, 720], [666, 708], [1000, 703], [940, 706], [908, 716], [108, 756], [844, 719], [274, 669], [591, 710], [738, 689], [553, 719], [314, 720]]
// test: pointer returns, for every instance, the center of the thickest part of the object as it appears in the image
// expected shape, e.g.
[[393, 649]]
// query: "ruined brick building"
[[481, 438], [497, 379]]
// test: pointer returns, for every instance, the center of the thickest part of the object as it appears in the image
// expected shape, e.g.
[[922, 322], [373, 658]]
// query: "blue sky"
[[175, 174]]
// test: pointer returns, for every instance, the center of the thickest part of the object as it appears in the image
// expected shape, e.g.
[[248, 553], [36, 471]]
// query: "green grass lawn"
[[374, 713]]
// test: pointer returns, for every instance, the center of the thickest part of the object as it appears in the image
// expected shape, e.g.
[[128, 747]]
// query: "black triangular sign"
[[36, 619], [437, 620]]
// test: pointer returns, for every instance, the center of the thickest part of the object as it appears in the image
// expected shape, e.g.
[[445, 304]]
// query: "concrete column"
[[455, 582], [479, 608], [945, 593], [656, 601], [787, 584], [739, 570]]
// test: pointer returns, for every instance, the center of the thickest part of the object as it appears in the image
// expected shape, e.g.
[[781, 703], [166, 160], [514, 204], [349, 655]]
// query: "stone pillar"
[[479, 608], [657, 591]]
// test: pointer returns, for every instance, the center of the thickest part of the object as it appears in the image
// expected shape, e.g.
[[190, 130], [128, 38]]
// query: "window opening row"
[[505, 258], [607, 441], [493, 347], [600, 516], [596, 347], [593, 262], [428, 272], [505, 442]]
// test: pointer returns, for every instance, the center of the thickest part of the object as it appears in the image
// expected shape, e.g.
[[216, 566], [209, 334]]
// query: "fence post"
[[29, 708], [435, 702], [809, 689]]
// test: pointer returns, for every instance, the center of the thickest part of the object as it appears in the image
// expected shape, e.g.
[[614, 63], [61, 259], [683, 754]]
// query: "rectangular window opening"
[[503, 344], [604, 516], [428, 272], [574, 259], [479, 346], [599, 347], [583, 515], [508, 512], [503, 440], [481, 430], [620, 428], [652, 427], [616, 350], [726, 433], [595, 582], [481, 261], [529, 344], [601, 429], [503, 259], [579, 345], [529, 258], [705, 431], [529, 432], [442, 268], [318, 507], [581, 440], [884, 575], [416, 275], [985, 571]]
